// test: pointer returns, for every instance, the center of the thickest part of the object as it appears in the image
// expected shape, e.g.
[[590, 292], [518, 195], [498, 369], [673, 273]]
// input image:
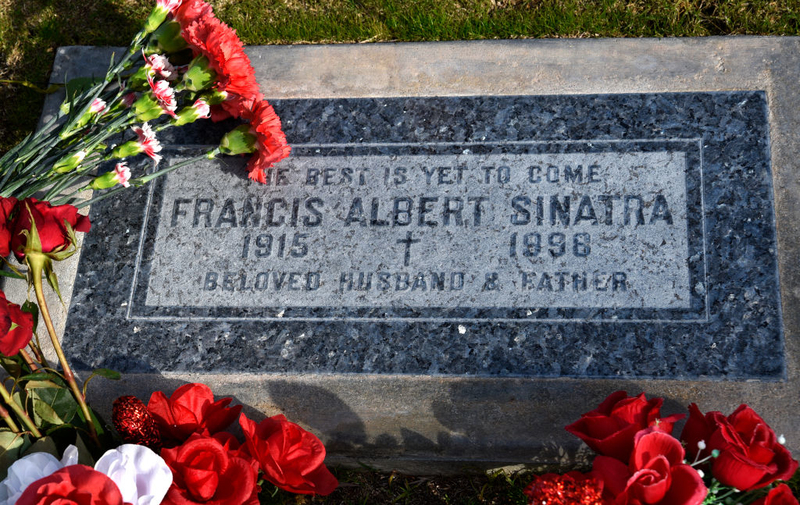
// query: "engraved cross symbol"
[[407, 241]]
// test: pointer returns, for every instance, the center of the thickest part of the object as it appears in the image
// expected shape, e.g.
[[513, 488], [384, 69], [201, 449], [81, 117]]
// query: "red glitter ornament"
[[573, 488], [134, 423]]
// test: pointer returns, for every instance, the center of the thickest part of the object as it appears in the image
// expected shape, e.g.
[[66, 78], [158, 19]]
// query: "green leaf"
[[11, 447], [60, 400], [42, 384], [44, 412], [17, 397], [107, 373], [13, 275], [84, 454], [39, 376], [52, 279], [44, 444], [32, 309], [12, 365]]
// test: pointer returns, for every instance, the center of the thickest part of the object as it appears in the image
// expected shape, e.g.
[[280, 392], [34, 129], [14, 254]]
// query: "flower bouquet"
[[184, 66], [718, 459]]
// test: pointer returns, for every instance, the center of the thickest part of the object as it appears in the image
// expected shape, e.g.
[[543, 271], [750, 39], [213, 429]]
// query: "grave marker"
[[454, 265], [565, 237]]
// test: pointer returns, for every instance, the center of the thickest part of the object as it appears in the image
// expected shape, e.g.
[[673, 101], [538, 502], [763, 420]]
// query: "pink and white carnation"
[[169, 5], [202, 108], [157, 64], [165, 95], [28, 469], [98, 105], [122, 174], [148, 143], [142, 475]]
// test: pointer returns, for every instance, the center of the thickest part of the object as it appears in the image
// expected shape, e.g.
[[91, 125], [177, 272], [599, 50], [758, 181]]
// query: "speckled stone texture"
[[728, 330]]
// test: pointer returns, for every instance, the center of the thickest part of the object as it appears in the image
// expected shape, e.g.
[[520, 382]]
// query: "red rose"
[[572, 488], [16, 327], [49, 224], [290, 457], [750, 456], [656, 474], [204, 471], [72, 485], [780, 495], [609, 429], [7, 205], [190, 409]]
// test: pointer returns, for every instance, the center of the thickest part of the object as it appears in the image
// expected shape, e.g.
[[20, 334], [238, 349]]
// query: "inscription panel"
[[502, 226]]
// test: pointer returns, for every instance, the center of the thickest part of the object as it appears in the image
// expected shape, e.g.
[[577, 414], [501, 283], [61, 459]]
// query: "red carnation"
[[271, 145], [290, 457], [190, 409], [209, 37], [16, 327], [610, 428], [190, 11], [750, 456], [49, 221]]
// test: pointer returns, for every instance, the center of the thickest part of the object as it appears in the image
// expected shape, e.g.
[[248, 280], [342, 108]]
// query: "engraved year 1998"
[[532, 244]]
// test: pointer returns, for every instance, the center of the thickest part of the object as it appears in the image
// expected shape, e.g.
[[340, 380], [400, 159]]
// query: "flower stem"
[[7, 418], [141, 181], [28, 360], [20, 413], [68, 375], [37, 351]]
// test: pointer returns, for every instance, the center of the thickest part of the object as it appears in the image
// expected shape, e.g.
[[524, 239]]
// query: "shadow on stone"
[[321, 411]]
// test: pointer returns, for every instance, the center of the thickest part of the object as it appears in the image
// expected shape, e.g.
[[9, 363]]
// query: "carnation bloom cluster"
[[185, 66], [717, 459]]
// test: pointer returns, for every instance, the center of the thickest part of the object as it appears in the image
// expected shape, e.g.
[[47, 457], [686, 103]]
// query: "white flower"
[[70, 456], [28, 469], [142, 476]]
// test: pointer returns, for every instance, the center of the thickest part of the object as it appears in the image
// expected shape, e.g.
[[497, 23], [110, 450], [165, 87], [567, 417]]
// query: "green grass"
[[31, 30]]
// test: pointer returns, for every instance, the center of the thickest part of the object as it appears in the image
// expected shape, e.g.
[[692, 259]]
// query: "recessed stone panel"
[[505, 226]]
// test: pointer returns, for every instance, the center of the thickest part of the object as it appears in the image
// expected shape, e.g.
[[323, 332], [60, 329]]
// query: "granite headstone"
[[448, 253], [511, 236]]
